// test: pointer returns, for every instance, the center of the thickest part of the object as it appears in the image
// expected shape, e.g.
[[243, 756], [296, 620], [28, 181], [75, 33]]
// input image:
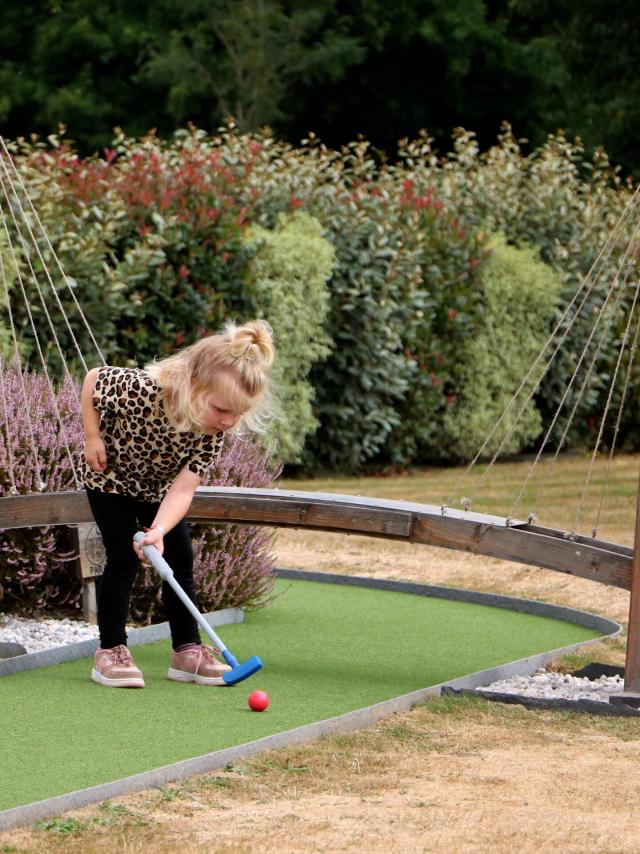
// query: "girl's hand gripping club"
[[238, 671]]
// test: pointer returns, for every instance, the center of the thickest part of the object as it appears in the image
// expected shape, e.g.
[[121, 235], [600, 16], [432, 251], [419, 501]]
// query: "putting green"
[[328, 649]]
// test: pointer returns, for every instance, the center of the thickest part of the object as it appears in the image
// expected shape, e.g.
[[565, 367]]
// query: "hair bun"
[[252, 341]]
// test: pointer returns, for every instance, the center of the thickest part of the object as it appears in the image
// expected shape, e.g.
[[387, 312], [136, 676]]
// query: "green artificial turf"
[[327, 649]]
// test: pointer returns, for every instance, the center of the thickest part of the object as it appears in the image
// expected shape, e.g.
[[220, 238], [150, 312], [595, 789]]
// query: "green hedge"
[[290, 270], [519, 294], [566, 207], [155, 237]]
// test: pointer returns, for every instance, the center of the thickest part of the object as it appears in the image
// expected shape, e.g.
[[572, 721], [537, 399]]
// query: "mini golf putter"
[[239, 671]]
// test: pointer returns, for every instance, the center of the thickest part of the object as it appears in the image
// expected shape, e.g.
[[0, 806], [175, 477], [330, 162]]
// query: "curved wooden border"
[[478, 533]]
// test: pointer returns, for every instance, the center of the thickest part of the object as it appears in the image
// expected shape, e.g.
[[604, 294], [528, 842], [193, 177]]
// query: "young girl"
[[150, 435]]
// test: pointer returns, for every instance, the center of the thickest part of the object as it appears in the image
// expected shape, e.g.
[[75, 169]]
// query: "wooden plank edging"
[[406, 521]]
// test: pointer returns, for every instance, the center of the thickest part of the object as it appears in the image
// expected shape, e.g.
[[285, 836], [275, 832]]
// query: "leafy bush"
[[154, 239], [565, 207], [404, 267], [362, 384], [448, 302], [149, 238], [184, 261], [519, 293], [290, 272], [367, 372]]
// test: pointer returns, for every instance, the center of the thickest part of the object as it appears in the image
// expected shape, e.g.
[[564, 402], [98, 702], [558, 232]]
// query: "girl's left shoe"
[[115, 668], [197, 664]]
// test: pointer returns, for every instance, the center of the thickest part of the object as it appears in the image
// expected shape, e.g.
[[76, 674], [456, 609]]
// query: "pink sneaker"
[[197, 664], [115, 668]]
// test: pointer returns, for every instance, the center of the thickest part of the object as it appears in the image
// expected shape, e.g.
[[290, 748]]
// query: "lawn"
[[327, 649]]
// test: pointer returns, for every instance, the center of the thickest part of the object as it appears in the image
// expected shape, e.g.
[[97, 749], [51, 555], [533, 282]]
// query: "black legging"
[[119, 517]]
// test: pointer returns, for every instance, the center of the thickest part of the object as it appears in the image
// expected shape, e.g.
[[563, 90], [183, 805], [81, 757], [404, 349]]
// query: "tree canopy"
[[370, 67]]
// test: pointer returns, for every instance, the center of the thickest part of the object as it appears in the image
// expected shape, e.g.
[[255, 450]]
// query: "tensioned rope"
[[615, 285], [28, 241], [596, 448], [541, 365], [633, 350], [3, 390], [54, 255], [537, 501], [16, 350], [43, 361]]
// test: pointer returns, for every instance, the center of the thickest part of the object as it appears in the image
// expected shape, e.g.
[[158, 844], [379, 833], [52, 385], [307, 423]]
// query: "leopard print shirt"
[[145, 452]]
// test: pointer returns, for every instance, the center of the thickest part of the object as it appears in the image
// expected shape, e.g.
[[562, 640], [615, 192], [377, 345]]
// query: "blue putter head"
[[243, 671]]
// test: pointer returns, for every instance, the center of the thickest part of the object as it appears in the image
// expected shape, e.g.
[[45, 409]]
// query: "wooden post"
[[90, 566], [632, 666], [631, 694]]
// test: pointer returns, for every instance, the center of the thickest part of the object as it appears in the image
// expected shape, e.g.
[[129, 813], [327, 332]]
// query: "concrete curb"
[[29, 813]]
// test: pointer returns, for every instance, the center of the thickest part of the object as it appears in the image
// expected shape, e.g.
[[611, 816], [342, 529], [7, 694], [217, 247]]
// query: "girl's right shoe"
[[115, 668], [197, 664]]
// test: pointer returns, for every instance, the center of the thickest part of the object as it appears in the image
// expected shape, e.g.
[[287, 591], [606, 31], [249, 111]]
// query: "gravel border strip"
[[30, 813], [86, 648], [590, 707]]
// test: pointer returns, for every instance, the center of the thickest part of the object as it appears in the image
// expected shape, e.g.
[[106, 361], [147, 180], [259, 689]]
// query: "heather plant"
[[291, 267], [518, 294], [38, 567], [236, 561], [233, 563]]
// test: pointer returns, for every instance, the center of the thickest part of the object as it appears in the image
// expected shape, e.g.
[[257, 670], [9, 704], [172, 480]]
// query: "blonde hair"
[[234, 362]]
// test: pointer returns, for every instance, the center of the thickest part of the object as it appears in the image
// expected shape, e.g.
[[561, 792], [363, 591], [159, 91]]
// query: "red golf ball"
[[258, 701]]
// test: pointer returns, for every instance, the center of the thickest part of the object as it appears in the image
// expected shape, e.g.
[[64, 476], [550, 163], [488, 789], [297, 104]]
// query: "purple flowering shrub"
[[37, 566], [233, 564], [221, 551]]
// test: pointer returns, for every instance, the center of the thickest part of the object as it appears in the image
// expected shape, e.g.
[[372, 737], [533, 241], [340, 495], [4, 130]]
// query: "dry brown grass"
[[463, 775], [457, 774]]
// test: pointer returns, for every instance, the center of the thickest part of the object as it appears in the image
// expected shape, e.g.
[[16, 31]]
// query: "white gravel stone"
[[548, 685], [36, 635]]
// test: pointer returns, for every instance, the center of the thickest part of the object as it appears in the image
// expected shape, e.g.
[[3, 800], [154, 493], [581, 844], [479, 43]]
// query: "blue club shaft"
[[239, 671]]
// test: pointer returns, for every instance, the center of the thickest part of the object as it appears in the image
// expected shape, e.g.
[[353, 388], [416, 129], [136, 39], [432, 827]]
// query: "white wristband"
[[160, 528]]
